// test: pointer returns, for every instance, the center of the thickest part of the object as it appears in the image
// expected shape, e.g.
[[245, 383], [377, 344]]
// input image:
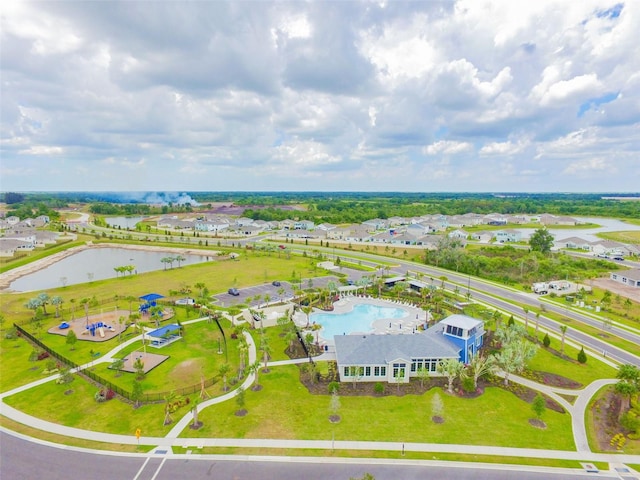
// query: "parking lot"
[[247, 295]]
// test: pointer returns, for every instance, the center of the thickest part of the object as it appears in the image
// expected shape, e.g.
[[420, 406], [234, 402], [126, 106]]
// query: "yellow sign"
[[138, 432]]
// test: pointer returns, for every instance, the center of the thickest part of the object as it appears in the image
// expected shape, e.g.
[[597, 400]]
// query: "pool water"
[[360, 319]]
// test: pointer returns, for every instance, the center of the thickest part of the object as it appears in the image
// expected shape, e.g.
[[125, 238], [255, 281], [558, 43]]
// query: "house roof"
[[382, 349], [633, 274], [461, 321]]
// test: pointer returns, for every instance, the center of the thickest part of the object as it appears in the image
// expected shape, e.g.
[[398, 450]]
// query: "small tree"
[[138, 366], [541, 241], [582, 356], [437, 408], [222, 371], [538, 406], [546, 341], [136, 393], [240, 399], [118, 365], [334, 407], [423, 375], [72, 339]]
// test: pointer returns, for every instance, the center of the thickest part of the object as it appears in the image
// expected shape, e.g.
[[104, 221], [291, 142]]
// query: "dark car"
[[233, 291], [276, 283], [620, 259]]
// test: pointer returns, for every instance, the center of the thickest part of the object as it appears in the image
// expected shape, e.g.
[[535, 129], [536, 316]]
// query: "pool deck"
[[394, 326]]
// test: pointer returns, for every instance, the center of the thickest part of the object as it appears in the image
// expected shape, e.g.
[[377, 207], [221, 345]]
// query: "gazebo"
[[149, 301]]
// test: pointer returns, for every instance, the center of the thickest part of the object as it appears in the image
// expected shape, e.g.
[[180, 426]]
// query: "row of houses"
[[600, 247], [15, 222]]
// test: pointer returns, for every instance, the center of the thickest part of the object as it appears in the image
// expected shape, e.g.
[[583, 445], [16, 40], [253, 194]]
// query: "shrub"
[[378, 388], [546, 341], [631, 422], [100, 396], [582, 357], [110, 394], [334, 387], [467, 385], [43, 355]]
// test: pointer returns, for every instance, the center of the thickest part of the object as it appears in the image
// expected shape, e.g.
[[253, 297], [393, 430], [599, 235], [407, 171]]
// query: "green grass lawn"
[[194, 356], [80, 410], [586, 373], [285, 409], [631, 236], [17, 370]]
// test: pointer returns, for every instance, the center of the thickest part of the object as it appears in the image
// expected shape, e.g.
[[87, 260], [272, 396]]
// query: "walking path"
[[172, 439]]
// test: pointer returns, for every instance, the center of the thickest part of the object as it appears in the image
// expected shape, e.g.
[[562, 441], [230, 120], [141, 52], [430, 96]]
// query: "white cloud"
[[447, 147], [42, 150], [504, 148]]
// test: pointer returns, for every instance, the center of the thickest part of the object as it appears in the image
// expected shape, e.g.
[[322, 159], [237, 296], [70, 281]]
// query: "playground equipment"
[[63, 325], [99, 326]]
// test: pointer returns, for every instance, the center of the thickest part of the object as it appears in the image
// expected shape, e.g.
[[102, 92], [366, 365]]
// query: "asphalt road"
[[24, 460]]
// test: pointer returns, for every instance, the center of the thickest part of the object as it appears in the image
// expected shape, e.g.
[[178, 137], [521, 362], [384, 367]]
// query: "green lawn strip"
[[630, 320], [285, 409], [389, 454], [632, 447], [634, 466], [16, 369], [586, 373], [622, 344], [625, 236], [79, 409], [72, 441], [276, 341]]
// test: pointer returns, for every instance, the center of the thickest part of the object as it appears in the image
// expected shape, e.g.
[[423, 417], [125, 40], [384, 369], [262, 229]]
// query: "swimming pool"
[[360, 319]]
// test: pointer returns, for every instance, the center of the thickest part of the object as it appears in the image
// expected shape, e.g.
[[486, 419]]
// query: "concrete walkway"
[[172, 439]]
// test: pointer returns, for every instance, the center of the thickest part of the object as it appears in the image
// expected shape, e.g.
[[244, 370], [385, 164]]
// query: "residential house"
[[575, 243], [376, 224], [627, 277], [509, 235], [482, 237], [9, 246], [458, 234]]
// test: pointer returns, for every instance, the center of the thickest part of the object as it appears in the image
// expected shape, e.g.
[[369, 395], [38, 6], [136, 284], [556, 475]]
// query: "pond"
[[98, 264], [123, 222]]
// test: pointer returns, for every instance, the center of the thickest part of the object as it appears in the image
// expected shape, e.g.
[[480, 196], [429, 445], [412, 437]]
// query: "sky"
[[419, 96]]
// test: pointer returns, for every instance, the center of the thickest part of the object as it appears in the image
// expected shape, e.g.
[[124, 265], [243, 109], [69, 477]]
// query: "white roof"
[[461, 321]]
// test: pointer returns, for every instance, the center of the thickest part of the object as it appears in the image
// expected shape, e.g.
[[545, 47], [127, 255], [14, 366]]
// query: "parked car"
[[276, 283], [233, 291], [620, 259]]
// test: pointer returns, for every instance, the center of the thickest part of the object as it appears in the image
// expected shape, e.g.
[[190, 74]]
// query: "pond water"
[[97, 264], [360, 319], [123, 222]]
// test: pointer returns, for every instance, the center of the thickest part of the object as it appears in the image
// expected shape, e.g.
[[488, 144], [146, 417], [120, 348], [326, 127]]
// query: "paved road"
[[23, 459]]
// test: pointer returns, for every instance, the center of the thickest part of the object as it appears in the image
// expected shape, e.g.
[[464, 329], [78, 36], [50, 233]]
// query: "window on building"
[[346, 372], [383, 371], [376, 371], [367, 371]]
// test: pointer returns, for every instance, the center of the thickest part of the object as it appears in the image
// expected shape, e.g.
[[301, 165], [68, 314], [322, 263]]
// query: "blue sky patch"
[[594, 102]]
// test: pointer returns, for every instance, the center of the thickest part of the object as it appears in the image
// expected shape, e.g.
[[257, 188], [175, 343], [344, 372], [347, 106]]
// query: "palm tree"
[[255, 368], [526, 318], [450, 368], [57, 301], [563, 329], [43, 298], [307, 309], [222, 371], [480, 365], [537, 323], [179, 259]]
